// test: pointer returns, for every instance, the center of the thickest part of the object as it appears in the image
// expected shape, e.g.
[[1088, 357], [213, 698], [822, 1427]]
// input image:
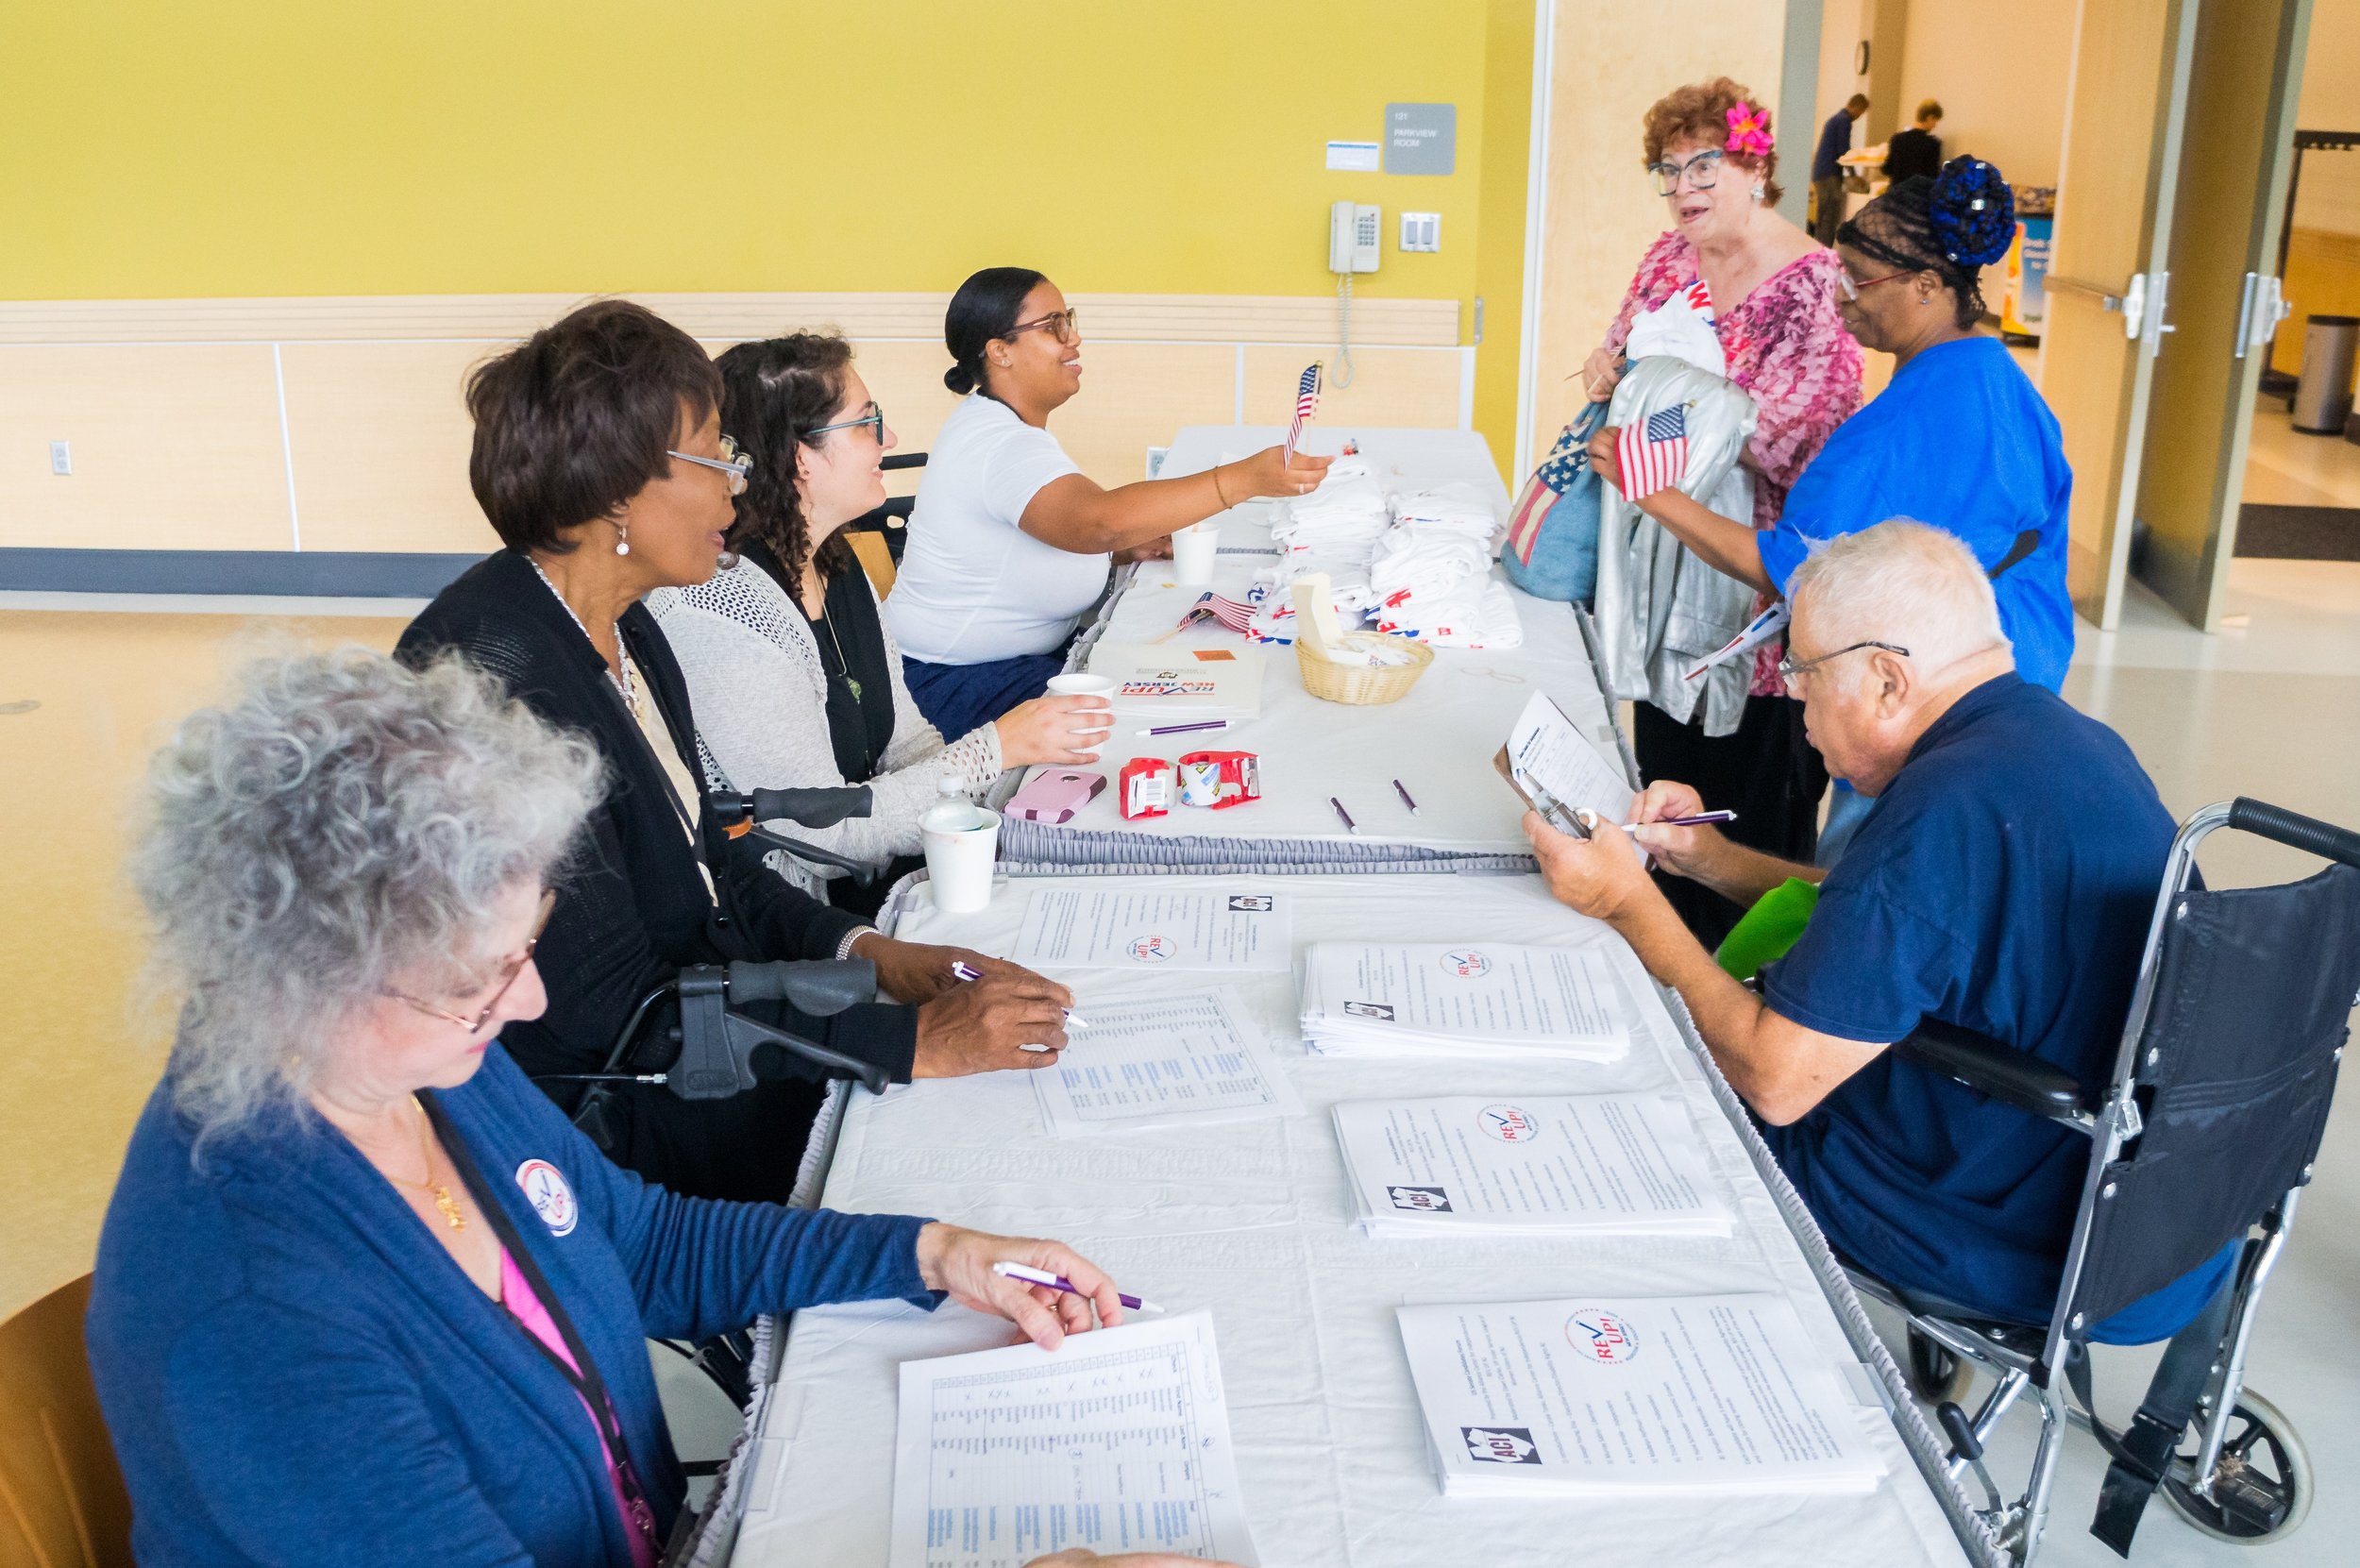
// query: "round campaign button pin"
[[550, 1195], [1601, 1338], [1466, 964]]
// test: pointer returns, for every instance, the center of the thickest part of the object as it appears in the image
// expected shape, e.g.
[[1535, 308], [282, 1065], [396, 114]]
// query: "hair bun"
[[1972, 212], [958, 380]]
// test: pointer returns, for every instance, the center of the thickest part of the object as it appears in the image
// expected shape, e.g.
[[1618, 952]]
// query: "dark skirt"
[[956, 698], [1766, 772]]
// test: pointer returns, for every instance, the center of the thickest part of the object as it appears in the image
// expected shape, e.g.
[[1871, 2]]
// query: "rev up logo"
[[1601, 1338], [1152, 949], [1509, 1123], [1466, 964]]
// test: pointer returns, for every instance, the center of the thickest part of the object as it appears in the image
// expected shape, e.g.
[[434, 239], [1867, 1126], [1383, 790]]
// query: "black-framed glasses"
[[736, 464], [1792, 672], [1065, 325], [507, 977], [1703, 172], [874, 416]]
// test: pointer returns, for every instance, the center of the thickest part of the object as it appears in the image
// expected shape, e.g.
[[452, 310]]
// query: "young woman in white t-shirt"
[[1010, 542]]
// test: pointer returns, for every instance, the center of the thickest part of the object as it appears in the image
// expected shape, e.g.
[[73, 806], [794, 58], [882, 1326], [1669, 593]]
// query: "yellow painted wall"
[[1500, 260], [166, 148]]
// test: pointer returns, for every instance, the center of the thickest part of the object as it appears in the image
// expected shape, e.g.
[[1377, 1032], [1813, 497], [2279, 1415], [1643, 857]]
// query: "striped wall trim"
[[917, 317], [338, 574]]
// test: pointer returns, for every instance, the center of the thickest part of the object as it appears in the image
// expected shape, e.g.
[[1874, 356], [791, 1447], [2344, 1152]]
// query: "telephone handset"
[[1353, 241], [1352, 237]]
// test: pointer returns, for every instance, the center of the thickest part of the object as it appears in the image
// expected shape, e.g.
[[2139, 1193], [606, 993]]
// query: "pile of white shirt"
[[1432, 572]]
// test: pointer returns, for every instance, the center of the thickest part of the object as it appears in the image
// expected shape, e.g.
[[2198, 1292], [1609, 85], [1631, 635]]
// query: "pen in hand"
[[1058, 1282], [962, 970]]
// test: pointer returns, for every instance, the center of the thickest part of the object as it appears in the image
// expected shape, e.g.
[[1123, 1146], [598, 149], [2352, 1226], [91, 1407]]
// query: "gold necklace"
[[442, 1200]]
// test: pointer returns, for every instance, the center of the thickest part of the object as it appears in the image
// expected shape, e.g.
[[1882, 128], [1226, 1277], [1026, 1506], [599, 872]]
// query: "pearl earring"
[[623, 536], [1758, 190]]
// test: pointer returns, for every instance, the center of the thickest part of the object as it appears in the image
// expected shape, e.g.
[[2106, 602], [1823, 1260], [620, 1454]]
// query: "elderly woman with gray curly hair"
[[364, 1295]]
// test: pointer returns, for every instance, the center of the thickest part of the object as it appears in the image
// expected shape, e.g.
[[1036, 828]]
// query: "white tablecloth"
[[1439, 740], [1252, 1222]]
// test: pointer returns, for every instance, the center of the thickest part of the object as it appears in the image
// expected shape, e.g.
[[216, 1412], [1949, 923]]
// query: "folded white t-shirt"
[[973, 585]]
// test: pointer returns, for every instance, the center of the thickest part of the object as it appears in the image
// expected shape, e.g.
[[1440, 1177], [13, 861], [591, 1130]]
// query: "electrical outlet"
[[1421, 232], [60, 457]]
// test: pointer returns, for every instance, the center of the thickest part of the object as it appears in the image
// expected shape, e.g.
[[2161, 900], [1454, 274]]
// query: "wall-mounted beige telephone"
[[1355, 239]]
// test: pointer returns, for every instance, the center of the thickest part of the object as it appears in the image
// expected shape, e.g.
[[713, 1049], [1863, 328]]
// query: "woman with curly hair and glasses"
[[364, 1295], [795, 679], [1961, 438], [1767, 294]]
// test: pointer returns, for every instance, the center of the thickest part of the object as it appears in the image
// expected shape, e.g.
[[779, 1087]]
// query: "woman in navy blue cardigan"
[[364, 1295]]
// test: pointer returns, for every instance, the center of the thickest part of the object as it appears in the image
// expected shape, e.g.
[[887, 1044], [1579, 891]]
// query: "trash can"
[[2323, 397]]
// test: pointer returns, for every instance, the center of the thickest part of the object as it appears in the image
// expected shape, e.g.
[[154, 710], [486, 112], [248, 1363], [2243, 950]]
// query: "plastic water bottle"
[[952, 811]]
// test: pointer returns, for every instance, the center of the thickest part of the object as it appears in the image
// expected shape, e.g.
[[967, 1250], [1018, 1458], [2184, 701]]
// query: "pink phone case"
[[1054, 795]]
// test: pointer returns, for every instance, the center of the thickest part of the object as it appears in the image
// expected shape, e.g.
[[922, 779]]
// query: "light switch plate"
[[1421, 232], [60, 457]]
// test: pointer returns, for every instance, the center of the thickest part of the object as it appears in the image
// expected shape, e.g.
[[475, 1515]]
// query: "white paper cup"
[[1080, 684], [958, 865], [1192, 552]]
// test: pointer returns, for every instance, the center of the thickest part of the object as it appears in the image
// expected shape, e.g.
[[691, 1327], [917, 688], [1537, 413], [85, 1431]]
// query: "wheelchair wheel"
[[1935, 1375], [2263, 1486]]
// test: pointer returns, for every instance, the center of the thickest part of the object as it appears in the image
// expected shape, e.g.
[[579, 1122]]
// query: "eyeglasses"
[[874, 416], [1851, 290], [1703, 172], [1792, 672], [509, 971], [1065, 325], [736, 464]]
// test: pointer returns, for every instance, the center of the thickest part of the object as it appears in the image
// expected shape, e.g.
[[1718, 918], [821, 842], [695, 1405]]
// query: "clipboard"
[[1551, 810]]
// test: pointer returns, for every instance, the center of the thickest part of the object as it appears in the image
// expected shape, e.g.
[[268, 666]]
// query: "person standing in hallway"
[[1768, 296], [1827, 169], [1918, 150]]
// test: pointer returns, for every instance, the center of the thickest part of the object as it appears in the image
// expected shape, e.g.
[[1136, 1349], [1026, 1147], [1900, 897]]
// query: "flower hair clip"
[[1749, 131]]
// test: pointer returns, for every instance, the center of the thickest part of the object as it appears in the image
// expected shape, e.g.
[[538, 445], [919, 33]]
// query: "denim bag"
[[1551, 550]]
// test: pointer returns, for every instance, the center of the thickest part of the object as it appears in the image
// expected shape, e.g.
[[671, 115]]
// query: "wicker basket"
[[1363, 685]]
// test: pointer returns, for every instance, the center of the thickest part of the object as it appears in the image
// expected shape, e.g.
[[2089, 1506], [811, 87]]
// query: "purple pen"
[[962, 970], [1183, 729], [1058, 1282], [1403, 790], [1698, 821], [1350, 826]]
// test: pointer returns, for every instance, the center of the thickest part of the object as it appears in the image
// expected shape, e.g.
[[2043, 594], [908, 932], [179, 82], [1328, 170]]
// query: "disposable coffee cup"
[[1079, 685], [1192, 552], [959, 860]]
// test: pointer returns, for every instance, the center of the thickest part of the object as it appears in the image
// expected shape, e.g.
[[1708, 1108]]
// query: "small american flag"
[[1232, 614], [1652, 456], [1307, 403]]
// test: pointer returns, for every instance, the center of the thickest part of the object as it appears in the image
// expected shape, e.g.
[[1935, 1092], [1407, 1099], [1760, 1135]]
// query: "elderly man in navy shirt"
[[2003, 885]]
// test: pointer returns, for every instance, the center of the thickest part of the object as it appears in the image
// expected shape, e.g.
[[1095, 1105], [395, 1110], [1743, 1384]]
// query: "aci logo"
[[552, 1197], [1509, 1123], [1466, 963], [1602, 1337], [1500, 1444], [1152, 949], [1420, 1200]]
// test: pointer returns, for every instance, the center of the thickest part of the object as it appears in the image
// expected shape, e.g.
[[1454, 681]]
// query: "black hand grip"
[[1960, 1430], [812, 808], [902, 460], [2324, 840], [820, 988]]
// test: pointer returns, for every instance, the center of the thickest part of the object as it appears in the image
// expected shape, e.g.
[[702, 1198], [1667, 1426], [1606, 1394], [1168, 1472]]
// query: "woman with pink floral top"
[[1771, 293]]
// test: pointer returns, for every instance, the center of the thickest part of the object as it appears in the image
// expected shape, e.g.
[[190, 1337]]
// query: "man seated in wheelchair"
[[2002, 886]]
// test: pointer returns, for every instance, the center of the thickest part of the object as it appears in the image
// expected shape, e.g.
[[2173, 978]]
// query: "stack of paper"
[[1638, 1397], [1176, 1061], [1421, 999], [1152, 930], [1116, 1442], [1591, 1165]]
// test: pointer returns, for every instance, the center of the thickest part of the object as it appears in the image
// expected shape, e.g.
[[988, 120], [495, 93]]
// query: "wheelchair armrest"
[[1982, 1064]]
